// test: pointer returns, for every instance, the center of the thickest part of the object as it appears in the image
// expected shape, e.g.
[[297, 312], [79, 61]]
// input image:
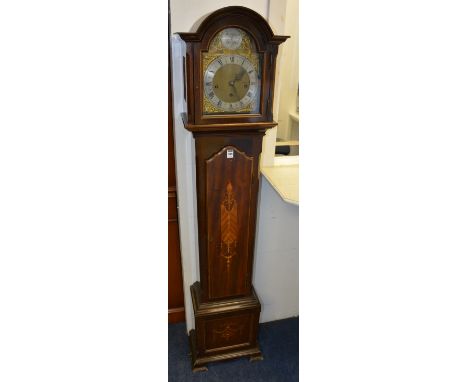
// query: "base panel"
[[199, 363], [224, 329]]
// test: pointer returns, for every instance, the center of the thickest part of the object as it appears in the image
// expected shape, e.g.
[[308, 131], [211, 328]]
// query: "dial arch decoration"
[[232, 74]]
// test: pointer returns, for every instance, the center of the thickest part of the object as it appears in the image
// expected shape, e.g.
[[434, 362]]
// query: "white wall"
[[186, 184], [288, 76], [183, 15]]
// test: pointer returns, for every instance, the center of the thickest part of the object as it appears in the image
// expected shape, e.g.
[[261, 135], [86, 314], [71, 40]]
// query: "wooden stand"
[[224, 329]]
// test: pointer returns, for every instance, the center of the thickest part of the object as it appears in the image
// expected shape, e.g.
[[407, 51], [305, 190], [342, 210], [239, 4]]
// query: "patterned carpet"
[[279, 343]]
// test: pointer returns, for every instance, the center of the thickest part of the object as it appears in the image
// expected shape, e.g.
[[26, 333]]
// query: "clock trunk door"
[[228, 190]]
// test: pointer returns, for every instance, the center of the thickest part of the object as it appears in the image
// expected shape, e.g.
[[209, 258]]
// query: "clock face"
[[231, 82], [231, 74]]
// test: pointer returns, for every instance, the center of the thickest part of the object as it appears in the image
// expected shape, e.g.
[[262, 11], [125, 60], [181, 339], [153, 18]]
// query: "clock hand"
[[235, 90], [239, 75]]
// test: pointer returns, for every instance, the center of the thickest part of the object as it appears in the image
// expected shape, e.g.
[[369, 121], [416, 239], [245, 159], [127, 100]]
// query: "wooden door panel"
[[228, 188], [232, 330], [176, 292]]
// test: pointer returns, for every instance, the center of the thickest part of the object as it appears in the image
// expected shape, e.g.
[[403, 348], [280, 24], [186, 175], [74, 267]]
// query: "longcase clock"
[[229, 74]]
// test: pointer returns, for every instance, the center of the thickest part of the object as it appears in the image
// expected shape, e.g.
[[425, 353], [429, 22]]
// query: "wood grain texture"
[[175, 282], [225, 329], [228, 216], [199, 362], [214, 171], [228, 332]]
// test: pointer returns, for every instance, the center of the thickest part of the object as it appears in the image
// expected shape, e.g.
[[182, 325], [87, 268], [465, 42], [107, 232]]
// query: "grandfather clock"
[[229, 74]]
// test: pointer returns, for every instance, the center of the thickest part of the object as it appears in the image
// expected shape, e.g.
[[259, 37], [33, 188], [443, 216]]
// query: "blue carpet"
[[279, 343]]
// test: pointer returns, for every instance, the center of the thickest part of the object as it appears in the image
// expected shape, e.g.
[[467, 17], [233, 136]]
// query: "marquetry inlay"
[[229, 227], [229, 330]]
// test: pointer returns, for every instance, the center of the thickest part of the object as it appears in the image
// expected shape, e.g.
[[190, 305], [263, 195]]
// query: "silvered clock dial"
[[231, 38], [231, 82]]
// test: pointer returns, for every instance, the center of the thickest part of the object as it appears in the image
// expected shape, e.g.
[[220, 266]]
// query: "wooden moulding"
[[241, 15], [235, 127], [199, 364], [221, 306]]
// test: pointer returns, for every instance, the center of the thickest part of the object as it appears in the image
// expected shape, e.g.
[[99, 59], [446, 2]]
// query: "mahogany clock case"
[[227, 191], [198, 42], [228, 147], [225, 304]]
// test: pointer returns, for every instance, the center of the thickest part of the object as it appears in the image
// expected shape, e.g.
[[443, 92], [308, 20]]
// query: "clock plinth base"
[[224, 329], [200, 364]]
